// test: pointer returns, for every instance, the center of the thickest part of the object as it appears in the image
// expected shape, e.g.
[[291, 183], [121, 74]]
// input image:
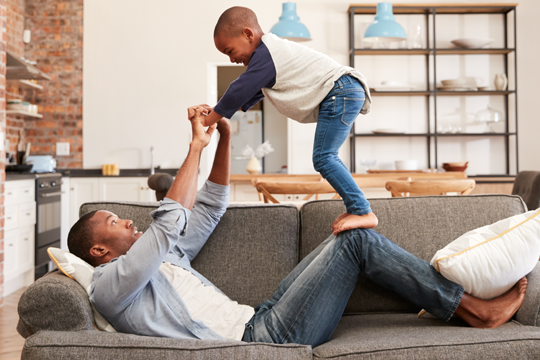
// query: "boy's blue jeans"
[[309, 302], [337, 113]]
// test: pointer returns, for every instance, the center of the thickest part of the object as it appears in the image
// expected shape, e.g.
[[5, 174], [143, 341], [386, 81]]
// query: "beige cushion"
[[488, 261], [82, 272]]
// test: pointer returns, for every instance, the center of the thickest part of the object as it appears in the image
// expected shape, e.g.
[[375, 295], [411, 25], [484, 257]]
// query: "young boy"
[[304, 85]]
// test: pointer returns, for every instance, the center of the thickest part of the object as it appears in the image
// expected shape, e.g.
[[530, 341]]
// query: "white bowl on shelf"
[[472, 43], [407, 165]]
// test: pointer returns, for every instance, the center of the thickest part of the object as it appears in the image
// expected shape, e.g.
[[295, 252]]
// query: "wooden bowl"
[[455, 166]]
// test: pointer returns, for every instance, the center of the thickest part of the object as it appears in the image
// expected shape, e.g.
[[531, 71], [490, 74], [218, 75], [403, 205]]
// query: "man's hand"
[[224, 126], [200, 136]]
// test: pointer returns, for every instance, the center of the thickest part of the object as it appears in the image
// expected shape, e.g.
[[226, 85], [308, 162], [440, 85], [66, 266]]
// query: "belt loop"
[[340, 82]]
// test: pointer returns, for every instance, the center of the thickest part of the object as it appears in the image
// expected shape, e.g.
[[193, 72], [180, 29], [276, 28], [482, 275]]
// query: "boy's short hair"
[[81, 237], [234, 20]]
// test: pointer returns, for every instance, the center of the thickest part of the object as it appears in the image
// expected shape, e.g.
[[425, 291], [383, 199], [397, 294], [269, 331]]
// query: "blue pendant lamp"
[[384, 28], [289, 25]]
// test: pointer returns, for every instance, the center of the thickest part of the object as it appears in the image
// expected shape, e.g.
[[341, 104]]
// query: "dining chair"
[[400, 188], [267, 189], [527, 185]]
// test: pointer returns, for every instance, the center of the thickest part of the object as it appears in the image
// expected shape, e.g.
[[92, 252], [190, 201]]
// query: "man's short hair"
[[81, 237], [234, 20]]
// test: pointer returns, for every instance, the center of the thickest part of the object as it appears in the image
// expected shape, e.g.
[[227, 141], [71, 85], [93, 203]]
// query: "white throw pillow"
[[490, 260], [79, 270]]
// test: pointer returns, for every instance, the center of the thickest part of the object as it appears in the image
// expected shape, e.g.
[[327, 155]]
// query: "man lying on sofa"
[[144, 284]]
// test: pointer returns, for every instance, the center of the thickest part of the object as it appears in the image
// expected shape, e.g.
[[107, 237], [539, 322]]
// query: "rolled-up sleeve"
[[210, 205], [116, 283]]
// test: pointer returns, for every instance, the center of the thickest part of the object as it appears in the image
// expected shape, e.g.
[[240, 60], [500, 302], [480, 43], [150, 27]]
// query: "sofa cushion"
[[405, 336], [488, 261], [251, 250], [54, 302], [99, 345], [421, 225]]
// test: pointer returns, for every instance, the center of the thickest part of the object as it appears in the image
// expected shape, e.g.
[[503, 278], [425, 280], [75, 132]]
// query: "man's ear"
[[98, 251]]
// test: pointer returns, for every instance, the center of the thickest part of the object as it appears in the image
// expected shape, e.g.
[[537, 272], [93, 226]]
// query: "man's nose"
[[129, 223]]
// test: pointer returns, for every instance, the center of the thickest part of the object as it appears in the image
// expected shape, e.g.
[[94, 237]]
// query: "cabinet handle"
[[25, 239], [9, 218], [27, 214], [10, 193], [142, 188], [26, 191], [10, 244]]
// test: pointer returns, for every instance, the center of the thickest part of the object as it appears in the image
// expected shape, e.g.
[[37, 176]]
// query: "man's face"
[[238, 49], [116, 234]]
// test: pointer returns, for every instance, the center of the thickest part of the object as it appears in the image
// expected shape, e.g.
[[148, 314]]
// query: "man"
[[144, 284]]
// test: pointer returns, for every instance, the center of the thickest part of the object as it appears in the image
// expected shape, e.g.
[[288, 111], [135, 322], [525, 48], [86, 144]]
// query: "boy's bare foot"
[[340, 217], [367, 221], [489, 314]]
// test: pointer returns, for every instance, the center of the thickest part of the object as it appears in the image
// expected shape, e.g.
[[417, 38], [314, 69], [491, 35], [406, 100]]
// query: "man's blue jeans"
[[337, 113], [309, 302]]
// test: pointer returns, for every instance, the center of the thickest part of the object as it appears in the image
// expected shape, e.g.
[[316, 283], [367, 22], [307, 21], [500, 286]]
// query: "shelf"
[[396, 52], [440, 8], [19, 69], [473, 93], [23, 113], [400, 93], [474, 51], [391, 52], [31, 85], [430, 135], [440, 93]]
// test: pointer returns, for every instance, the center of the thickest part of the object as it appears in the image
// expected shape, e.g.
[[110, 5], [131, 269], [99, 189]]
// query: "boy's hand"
[[207, 110]]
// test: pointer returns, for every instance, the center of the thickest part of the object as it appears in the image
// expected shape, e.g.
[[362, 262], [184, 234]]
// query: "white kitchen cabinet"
[[90, 189], [19, 227], [82, 190]]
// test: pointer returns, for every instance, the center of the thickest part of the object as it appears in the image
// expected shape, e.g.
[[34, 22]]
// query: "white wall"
[[145, 64]]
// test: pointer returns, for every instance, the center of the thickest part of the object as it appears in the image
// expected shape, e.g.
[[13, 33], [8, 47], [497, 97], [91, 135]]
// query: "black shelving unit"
[[430, 13]]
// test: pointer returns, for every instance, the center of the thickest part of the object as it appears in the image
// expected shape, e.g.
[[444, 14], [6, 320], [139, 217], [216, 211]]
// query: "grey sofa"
[[256, 246]]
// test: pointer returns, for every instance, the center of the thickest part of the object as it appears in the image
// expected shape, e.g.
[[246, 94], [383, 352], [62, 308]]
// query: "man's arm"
[[212, 200], [122, 279], [221, 169], [184, 188]]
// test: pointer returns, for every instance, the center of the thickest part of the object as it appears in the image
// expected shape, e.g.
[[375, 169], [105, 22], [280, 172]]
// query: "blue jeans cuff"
[[457, 301]]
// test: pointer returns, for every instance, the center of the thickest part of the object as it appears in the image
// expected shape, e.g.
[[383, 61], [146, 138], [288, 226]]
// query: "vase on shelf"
[[254, 166], [500, 82]]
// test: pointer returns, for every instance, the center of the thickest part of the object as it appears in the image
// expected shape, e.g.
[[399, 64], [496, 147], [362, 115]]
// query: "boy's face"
[[239, 48]]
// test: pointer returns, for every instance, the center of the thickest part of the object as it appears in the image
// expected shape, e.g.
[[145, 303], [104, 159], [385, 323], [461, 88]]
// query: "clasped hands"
[[197, 115]]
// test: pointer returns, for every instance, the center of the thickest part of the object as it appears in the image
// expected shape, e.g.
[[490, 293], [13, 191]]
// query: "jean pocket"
[[351, 109], [328, 106]]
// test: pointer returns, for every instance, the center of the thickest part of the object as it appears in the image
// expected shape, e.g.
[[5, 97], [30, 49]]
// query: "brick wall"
[[57, 38], [3, 12]]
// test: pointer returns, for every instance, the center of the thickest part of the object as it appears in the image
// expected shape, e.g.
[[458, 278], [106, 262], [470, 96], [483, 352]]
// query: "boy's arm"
[[261, 73]]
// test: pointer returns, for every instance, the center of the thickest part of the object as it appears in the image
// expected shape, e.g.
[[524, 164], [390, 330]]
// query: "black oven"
[[48, 218]]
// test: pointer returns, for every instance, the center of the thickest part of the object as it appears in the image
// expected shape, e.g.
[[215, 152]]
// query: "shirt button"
[[333, 98]]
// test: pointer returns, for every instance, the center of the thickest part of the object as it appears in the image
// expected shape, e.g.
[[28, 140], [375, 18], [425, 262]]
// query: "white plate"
[[472, 43], [388, 131]]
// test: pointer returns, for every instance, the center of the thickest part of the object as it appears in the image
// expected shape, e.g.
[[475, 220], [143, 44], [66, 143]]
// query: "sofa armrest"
[[54, 302], [528, 313], [98, 345]]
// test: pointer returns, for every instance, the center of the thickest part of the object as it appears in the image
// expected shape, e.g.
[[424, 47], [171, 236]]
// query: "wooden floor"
[[11, 342]]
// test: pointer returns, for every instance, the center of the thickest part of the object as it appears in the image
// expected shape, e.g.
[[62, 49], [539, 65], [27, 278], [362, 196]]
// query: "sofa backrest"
[[251, 250], [420, 225]]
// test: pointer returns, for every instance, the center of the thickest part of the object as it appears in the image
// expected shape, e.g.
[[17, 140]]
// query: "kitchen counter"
[[123, 172], [13, 176]]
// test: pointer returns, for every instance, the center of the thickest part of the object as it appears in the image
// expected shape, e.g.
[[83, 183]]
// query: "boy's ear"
[[248, 33]]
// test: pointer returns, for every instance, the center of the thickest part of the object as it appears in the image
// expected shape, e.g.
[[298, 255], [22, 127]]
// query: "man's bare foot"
[[489, 314], [367, 221], [340, 217]]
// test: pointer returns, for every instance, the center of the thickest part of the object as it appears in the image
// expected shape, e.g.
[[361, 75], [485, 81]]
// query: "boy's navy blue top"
[[245, 91]]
